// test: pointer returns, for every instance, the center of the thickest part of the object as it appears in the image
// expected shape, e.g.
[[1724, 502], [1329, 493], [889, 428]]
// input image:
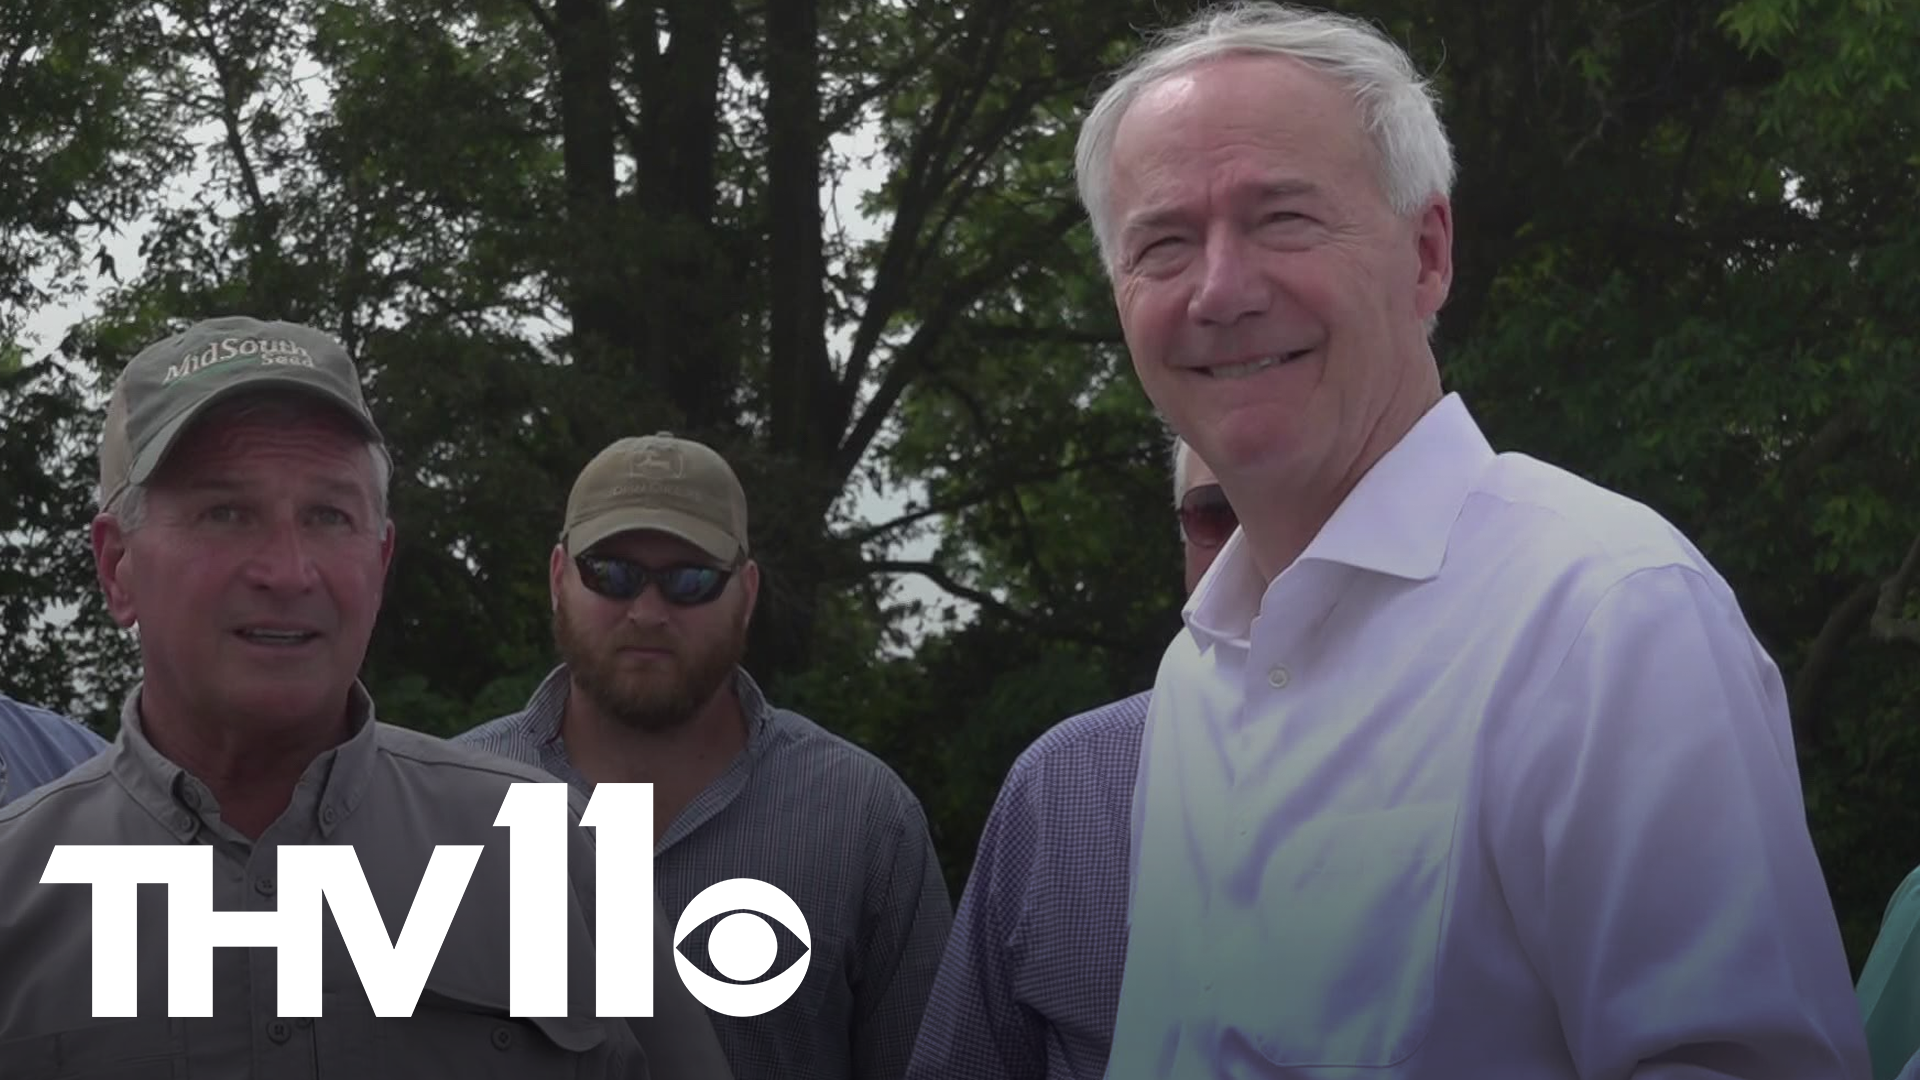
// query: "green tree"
[[1686, 266]]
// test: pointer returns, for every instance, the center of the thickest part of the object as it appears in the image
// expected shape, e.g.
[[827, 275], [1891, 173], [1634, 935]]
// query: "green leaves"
[[1687, 264]]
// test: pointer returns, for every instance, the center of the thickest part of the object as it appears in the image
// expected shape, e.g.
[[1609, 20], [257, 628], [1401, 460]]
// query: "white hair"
[[1397, 107], [130, 506], [1179, 469]]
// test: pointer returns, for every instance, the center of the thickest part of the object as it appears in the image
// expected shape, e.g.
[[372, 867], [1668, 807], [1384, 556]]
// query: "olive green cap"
[[659, 483], [173, 382]]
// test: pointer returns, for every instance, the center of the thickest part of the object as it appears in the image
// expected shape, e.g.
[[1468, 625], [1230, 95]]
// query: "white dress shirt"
[[1492, 782]]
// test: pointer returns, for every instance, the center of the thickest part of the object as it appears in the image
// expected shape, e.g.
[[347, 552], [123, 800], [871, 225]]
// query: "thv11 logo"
[[394, 969]]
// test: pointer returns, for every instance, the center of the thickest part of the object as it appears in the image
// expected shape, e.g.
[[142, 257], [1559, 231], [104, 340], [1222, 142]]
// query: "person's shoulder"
[[1581, 539], [1905, 897], [1066, 793], [482, 766], [505, 735], [15, 711], [795, 734], [1112, 730], [49, 753], [50, 729], [448, 780], [83, 805], [1584, 516], [836, 762], [87, 780]]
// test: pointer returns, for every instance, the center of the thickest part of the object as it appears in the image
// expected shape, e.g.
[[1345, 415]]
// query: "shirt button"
[[191, 798], [263, 886], [279, 1032], [183, 822], [329, 815], [1277, 677], [502, 1038]]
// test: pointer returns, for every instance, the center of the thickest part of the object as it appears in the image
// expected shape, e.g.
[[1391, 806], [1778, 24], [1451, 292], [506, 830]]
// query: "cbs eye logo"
[[742, 947]]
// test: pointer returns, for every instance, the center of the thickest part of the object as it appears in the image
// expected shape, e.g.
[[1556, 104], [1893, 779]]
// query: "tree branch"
[[983, 494], [1811, 680], [1827, 444], [230, 123], [1042, 579], [14, 56], [842, 114], [1875, 604], [938, 575], [936, 140], [545, 20], [914, 354], [1887, 625], [1049, 335]]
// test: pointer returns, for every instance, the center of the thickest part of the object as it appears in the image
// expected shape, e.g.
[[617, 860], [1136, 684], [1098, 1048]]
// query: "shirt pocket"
[[1338, 964], [133, 1049], [447, 1036]]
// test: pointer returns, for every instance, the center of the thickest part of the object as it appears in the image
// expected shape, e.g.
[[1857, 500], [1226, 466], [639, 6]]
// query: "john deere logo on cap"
[[654, 463], [269, 350]]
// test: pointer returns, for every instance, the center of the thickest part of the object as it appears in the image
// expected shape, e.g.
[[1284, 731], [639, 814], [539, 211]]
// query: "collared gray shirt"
[[835, 829], [393, 795]]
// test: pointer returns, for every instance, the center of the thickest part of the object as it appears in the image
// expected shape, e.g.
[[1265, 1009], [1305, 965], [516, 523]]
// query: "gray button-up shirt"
[[393, 795], [835, 829]]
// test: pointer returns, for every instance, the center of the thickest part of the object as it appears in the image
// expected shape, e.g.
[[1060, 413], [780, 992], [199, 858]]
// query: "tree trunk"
[[692, 316], [583, 43], [800, 437]]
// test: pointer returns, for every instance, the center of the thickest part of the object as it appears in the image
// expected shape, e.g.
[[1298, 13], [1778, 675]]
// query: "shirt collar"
[[1396, 521], [540, 720], [177, 798]]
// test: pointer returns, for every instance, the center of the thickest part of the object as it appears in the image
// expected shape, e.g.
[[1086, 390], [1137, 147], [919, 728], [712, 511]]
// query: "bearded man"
[[653, 589]]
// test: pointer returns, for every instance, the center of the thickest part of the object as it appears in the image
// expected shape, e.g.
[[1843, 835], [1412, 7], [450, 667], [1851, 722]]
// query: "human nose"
[[282, 561], [1231, 287], [650, 607]]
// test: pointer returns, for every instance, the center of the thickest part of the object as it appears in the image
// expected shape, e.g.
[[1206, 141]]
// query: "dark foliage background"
[[1688, 258]]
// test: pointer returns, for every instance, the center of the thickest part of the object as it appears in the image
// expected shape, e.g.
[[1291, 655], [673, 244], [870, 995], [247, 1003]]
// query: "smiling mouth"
[[278, 638], [1252, 367]]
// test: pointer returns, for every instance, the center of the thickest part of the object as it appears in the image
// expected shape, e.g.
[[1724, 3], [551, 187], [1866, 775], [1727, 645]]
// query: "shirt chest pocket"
[[131, 1049], [1339, 953]]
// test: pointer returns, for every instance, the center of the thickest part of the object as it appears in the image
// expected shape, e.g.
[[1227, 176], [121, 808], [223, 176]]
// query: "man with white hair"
[[1462, 766]]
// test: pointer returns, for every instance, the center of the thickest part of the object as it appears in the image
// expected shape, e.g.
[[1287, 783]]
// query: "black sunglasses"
[[1206, 518], [623, 579]]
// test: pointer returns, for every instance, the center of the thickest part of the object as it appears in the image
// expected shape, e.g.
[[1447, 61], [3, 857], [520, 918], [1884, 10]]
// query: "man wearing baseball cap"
[[243, 529], [653, 586]]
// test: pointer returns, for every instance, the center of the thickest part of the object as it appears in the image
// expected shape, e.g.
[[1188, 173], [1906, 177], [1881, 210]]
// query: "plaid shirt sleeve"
[[974, 1027], [908, 931], [1031, 978]]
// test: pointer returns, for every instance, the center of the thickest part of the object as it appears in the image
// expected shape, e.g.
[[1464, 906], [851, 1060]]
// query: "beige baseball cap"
[[172, 382], [659, 483]]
